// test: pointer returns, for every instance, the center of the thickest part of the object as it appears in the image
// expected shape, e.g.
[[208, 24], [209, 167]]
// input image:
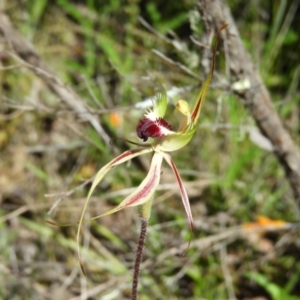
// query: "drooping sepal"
[[127, 155], [184, 196]]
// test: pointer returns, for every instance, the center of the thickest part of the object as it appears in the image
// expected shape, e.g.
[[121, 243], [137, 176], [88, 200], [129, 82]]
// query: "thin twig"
[[176, 63]]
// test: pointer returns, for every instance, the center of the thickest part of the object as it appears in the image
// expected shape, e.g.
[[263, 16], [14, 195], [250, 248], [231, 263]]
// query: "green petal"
[[197, 107], [127, 155], [182, 111], [145, 190], [160, 104]]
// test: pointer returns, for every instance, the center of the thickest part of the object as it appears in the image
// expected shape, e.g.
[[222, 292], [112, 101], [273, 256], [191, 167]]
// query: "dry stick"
[[138, 258], [256, 98]]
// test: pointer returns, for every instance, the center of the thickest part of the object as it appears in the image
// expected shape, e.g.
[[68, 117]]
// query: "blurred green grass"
[[104, 53]]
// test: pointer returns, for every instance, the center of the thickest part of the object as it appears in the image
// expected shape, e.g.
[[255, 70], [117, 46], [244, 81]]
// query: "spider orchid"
[[165, 140]]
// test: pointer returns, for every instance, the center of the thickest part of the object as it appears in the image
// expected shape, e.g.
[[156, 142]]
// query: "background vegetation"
[[115, 54]]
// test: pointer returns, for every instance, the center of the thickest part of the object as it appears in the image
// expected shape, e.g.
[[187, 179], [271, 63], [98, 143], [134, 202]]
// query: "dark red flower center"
[[147, 128]]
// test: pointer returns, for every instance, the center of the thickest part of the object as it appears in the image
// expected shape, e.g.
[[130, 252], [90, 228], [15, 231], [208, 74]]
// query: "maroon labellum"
[[148, 128]]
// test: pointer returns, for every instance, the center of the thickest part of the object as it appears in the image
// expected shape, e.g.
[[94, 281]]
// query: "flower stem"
[[138, 258]]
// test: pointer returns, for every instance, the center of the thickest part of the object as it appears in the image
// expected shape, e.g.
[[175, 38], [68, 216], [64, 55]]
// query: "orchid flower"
[[165, 140]]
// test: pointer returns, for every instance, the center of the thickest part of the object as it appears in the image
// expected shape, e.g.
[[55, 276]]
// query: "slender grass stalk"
[[138, 258]]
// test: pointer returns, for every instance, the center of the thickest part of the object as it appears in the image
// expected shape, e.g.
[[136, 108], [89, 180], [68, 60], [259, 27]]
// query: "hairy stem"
[[138, 258]]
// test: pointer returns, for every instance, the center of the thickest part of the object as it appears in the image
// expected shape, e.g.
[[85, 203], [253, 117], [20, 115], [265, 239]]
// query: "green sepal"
[[174, 141]]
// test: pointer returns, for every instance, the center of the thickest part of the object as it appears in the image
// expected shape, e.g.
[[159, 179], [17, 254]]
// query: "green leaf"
[[110, 48], [36, 171], [277, 292], [38, 9], [72, 10]]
